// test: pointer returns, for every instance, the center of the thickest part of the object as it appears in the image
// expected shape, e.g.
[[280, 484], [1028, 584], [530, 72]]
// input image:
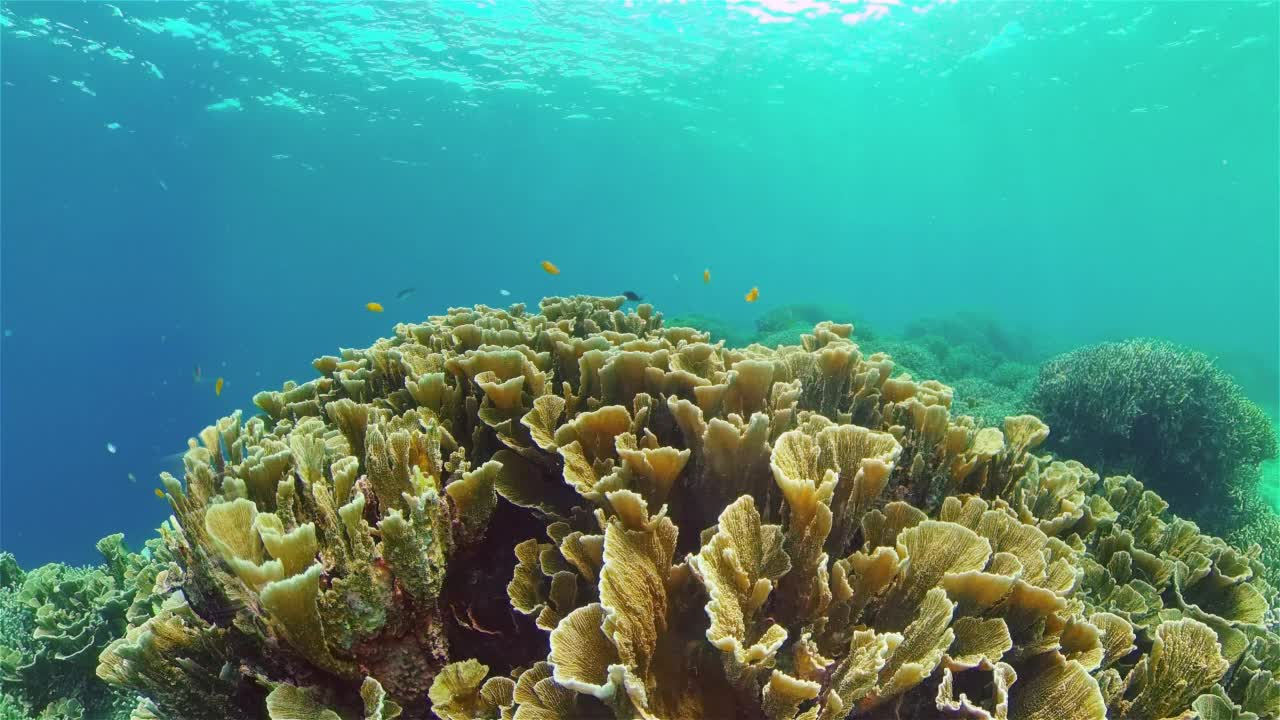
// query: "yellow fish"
[[752, 295], [373, 307], [706, 276], [159, 493], [217, 386], [550, 267]]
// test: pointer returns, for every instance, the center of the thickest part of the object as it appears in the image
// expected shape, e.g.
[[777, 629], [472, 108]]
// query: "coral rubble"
[[583, 513]]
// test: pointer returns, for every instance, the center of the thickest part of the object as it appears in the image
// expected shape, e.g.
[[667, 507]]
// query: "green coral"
[[11, 708], [909, 357], [1017, 376], [986, 386], [11, 574], [783, 325], [971, 333], [1161, 412], [806, 315], [55, 620], [986, 401], [719, 329], [64, 709], [783, 336], [17, 623], [1254, 522]]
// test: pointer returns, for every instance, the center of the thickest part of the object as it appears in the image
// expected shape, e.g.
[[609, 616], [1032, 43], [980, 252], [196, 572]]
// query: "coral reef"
[[583, 513], [972, 334], [989, 403], [1256, 521], [785, 324], [56, 619], [989, 385], [1164, 413], [719, 329], [909, 357]]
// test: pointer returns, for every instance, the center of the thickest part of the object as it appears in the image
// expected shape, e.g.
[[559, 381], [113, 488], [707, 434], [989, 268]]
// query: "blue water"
[[227, 186]]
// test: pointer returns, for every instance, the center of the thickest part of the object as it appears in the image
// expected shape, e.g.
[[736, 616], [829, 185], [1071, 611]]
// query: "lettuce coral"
[[56, 619], [583, 513]]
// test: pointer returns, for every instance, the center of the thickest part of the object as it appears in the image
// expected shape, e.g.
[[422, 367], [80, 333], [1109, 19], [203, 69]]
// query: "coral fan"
[[1161, 412], [581, 513]]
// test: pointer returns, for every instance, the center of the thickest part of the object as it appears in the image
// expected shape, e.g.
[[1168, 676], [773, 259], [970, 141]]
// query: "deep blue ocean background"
[[227, 185]]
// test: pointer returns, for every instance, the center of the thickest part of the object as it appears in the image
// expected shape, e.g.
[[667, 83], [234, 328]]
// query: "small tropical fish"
[[159, 493], [631, 296], [217, 386], [195, 374], [706, 276], [504, 293], [111, 448], [550, 267], [132, 478], [405, 293], [752, 295], [373, 307]]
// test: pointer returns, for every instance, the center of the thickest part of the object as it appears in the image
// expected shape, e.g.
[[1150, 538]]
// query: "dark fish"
[[405, 293], [632, 296]]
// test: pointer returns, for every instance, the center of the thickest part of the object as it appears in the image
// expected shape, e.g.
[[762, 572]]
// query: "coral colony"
[[581, 513]]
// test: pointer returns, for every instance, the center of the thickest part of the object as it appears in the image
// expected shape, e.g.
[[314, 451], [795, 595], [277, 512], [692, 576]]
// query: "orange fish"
[[706, 276], [373, 307], [159, 493], [753, 295], [550, 267], [217, 386]]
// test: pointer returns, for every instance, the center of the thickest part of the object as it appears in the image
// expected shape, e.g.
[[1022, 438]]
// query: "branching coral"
[[581, 513], [1161, 412]]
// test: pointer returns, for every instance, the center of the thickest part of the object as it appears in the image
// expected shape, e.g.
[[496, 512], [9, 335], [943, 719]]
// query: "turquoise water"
[[225, 186]]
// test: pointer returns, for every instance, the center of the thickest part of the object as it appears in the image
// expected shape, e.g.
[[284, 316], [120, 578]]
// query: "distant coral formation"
[[991, 370], [1166, 413], [719, 329], [785, 324], [583, 513]]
